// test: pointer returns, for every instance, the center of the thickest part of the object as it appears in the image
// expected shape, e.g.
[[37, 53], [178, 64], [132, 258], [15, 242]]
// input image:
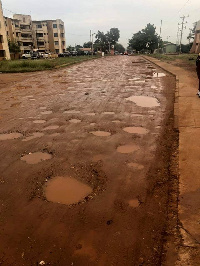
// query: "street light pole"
[[92, 44]]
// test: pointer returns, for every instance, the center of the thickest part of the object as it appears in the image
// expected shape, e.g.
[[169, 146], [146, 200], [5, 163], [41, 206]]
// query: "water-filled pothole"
[[134, 203], [71, 112], [136, 130], [158, 75], [39, 121], [46, 112], [10, 136], [144, 101], [108, 113], [66, 190], [36, 157], [137, 166], [129, 148], [101, 133], [75, 121], [50, 128]]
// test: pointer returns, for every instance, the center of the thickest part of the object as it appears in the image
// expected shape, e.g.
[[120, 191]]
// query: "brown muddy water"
[[137, 166], [46, 112], [66, 190], [39, 121], [75, 121], [158, 75], [36, 157], [136, 130], [10, 136], [144, 101], [129, 148]]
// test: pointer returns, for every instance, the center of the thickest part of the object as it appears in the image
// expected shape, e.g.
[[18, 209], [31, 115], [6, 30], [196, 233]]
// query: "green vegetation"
[[25, 65], [145, 40], [187, 58]]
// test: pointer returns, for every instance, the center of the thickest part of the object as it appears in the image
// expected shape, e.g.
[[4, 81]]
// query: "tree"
[[113, 35], [191, 35], [146, 39], [87, 45], [103, 41], [14, 47], [119, 47]]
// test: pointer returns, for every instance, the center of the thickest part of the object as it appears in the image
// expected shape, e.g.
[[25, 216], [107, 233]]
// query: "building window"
[[39, 26], [56, 43], [57, 51], [62, 35], [55, 26], [55, 34], [24, 20], [1, 38], [63, 43]]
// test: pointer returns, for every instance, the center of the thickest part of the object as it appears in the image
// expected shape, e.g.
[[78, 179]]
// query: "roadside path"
[[187, 113]]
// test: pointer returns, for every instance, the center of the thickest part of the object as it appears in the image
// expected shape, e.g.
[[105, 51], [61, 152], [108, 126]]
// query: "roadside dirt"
[[76, 123]]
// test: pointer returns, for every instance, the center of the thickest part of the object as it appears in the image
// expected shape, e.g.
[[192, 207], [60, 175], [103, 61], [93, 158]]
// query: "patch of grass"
[[26, 65], [187, 58]]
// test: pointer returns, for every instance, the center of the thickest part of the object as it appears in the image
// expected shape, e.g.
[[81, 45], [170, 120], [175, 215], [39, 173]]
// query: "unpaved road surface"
[[106, 128]]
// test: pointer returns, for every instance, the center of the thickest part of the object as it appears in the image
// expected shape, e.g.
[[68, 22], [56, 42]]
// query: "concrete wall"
[[196, 44]]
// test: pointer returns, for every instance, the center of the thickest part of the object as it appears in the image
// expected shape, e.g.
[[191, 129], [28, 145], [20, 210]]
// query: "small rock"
[[42, 263]]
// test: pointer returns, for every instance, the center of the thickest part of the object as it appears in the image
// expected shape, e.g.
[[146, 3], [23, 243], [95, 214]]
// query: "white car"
[[26, 56]]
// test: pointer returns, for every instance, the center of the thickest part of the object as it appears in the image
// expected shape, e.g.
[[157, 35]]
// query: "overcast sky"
[[130, 16]]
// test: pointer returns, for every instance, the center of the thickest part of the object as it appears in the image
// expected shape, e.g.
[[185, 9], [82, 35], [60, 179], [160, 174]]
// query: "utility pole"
[[160, 33], [190, 35], [177, 42], [90, 35], [182, 28]]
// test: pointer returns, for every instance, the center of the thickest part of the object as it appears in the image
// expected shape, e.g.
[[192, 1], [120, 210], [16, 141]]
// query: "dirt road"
[[102, 131]]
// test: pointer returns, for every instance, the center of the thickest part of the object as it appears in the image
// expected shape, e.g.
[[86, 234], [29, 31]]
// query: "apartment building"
[[4, 50], [44, 35], [196, 44]]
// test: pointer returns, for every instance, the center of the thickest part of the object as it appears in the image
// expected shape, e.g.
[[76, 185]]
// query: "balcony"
[[26, 39], [26, 30]]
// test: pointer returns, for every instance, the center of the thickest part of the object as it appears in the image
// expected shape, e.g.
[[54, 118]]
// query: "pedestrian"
[[198, 72]]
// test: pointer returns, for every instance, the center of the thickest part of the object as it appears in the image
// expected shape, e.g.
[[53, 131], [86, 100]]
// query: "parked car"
[[44, 55], [74, 53], [26, 56], [35, 55], [65, 54]]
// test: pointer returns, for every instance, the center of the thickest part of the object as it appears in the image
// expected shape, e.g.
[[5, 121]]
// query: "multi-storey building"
[[196, 44], [4, 50], [44, 35]]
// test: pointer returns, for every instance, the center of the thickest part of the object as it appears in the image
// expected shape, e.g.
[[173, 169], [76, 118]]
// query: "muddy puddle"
[[136, 130], [101, 133], [33, 136], [46, 112], [66, 190], [10, 136], [71, 112], [137, 166], [144, 101], [75, 121], [36, 157], [158, 75], [51, 128], [39, 121], [129, 148], [134, 203], [108, 113]]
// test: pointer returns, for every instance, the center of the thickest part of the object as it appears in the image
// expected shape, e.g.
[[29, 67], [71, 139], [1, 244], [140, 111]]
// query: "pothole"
[[158, 75], [144, 101], [39, 121], [71, 112], [43, 108], [137, 166], [33, 136], [101, 133], [129, 148], [134, 203], [51, 127], [66, 190], [136, 130], [10, 136], [75, 121], [108, 113], [46, 112], [36, 157]]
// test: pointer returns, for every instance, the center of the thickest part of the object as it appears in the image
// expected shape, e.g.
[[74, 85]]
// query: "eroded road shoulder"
[[85, 157]]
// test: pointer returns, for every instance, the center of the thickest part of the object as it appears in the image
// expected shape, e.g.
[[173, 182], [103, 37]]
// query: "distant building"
[[44, 36], [4, 50], [169, 48], [196, 44]]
